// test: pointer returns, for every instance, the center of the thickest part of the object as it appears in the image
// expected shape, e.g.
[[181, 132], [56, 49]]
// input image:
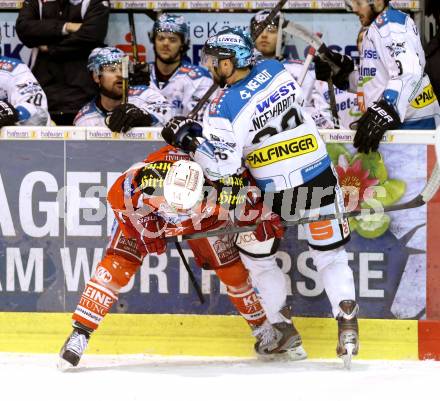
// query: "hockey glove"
[[334, 65], [153, 235], [127, 116], [323, 70], [182, 132], [270, 227], [140, 74], [378, 118], [8, 114]]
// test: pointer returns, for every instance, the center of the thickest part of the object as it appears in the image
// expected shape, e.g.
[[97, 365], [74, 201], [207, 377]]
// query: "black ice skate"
[[348, 331], [73, 348], [279, 340]]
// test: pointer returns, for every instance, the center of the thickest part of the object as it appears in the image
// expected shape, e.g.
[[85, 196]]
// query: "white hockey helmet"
[[183, 184]]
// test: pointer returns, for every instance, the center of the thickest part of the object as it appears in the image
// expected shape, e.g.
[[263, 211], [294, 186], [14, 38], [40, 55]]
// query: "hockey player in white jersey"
[[22, 100], [396, 91], [145, 106], [181, 82], [316, 93], [256, 121]]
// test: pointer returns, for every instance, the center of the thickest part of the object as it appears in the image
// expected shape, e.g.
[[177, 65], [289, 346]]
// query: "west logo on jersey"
[[282, 150]]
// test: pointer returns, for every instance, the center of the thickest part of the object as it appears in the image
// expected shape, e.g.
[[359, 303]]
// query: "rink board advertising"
[[54, 228]]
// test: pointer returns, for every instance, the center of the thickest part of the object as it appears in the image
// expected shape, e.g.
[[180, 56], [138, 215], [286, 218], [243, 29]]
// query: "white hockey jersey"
[[316, 97], [295, 67], [144, 97], [186, 86], [346, 106], [258, 122], [392, 63], [19, 87]]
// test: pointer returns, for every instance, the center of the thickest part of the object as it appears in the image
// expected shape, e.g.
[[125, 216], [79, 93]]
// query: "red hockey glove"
[[269, 227], [152, 236]]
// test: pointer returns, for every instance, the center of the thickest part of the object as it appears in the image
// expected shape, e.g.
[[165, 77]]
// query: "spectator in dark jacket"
[[62, 34]]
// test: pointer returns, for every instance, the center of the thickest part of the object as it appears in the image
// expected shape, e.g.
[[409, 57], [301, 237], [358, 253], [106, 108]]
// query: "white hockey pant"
[[270, 283], [336, 275]]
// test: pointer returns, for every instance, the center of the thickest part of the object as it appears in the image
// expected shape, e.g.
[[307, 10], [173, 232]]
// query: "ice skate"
[[348, 332], [73, 348], [279, 340]]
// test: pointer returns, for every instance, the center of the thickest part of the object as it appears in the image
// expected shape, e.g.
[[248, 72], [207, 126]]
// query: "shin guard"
[[94, 304], [246, 302]]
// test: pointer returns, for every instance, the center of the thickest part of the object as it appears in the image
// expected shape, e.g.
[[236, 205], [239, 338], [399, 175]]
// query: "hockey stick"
[[190, 273], [134, 46], [316, 43], [429, 190], [333, 105], [307, 62], [125, 62], [260, 29], [279, 37]]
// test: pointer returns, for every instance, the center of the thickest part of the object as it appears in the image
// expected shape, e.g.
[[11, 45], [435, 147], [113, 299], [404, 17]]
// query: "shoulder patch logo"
[[244, 94], [213, 107], [6, 66]]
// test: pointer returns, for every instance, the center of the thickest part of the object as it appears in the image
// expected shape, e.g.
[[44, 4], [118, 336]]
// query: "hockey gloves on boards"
[[334, 65], [182, 132], [8, 114], [371, 127], [127, 116]]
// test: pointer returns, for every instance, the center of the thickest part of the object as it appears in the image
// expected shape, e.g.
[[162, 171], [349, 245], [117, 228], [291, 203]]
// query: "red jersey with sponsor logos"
[[137, 198]]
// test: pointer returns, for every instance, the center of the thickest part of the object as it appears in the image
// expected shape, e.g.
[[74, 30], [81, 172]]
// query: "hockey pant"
[[123, 259], [268, 279]]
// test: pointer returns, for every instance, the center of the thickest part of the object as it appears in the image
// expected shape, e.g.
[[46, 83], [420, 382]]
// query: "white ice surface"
[[142, 377]]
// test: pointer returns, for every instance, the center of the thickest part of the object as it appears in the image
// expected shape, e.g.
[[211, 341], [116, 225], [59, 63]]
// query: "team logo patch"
[[282, 150], [425, 98], [4, 65]]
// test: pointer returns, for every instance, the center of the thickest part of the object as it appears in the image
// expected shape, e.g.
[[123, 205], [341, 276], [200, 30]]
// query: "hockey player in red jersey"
[[147, 211]]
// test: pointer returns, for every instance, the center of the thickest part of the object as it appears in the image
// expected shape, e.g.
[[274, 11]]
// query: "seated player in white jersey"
[[181, 82], [22, 100], [145, 106]]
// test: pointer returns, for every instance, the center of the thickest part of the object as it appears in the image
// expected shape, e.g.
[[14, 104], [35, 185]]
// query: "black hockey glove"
[[8, 114], [127, 116], [140, 75], [182, 132], [340, 67], [323, 70], [378, 118]]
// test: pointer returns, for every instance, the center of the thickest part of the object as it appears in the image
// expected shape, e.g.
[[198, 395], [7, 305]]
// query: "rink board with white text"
[[46, 259]]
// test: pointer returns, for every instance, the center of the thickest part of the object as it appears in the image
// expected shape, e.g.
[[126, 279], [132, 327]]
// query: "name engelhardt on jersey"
[[282, 99], [282, 150]]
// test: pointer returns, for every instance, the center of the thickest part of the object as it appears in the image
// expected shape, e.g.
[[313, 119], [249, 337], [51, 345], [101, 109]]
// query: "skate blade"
[[295, 354], [346, 358], [64, 366]]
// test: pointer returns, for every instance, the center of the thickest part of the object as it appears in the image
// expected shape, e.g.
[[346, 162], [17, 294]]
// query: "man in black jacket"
[[62, 34]]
